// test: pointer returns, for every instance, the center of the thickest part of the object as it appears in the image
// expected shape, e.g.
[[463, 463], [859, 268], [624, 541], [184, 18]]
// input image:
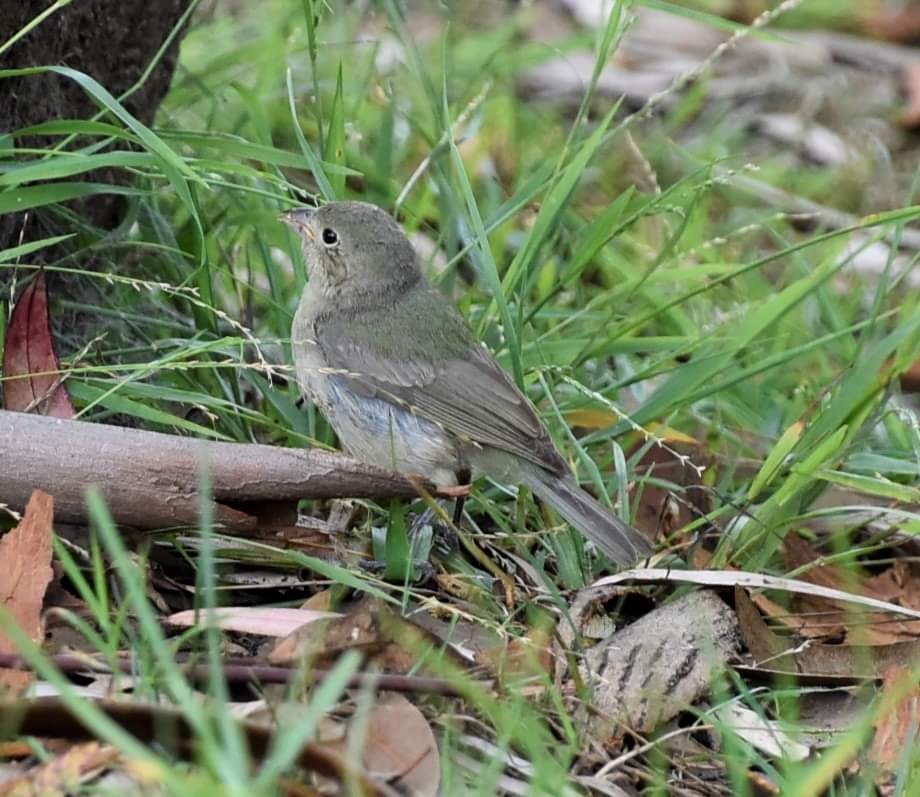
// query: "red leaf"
[[30, 366]]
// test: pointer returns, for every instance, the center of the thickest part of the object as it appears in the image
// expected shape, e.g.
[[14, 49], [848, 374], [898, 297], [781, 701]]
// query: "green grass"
[[693, 308]]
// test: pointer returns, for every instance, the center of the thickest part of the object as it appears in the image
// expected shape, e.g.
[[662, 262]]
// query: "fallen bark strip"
[[240, 671], [168, 727], [150, 480]]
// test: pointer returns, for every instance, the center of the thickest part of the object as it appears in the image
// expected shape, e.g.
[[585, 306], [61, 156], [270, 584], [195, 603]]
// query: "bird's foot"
[[441, 530], [455, 491], [422, 570], [425, 485]]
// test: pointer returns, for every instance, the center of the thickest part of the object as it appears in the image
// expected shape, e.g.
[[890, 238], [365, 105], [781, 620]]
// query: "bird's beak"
[[299, 219]]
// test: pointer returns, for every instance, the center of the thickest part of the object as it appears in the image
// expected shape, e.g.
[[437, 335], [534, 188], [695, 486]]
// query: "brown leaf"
[[523, 658], [389, 641], [400, 747], [896, 730], [30, 366], [817, 617], [25, 553], [63, 773], [862, 661], [660, 509], [798, 552], [899, 584], [777, 652], [765, 645], [910, 119], [326, 639], [826, 618], [910, 379], [319, 601], [894, 21]]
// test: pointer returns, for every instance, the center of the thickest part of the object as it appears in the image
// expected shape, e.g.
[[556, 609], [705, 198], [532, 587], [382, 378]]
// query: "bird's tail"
[[621, 542]]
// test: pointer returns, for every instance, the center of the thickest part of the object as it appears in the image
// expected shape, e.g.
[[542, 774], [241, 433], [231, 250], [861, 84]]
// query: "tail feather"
[[621, 542]]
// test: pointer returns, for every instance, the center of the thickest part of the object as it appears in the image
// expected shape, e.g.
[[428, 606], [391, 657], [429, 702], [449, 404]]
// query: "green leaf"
[[36, 196], [78, 127], [313, 163], [335, 136], [775, 459], [871, 485], [239, 148], [553, 204], [735, 335], [15, 252], [398, 553], [68, 165], [89, 394], [864, 380]]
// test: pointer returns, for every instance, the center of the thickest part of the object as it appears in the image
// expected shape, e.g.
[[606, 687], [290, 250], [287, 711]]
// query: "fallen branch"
[[150, 480]]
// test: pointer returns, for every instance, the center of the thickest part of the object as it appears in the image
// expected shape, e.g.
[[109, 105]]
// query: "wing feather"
[[390, 355]]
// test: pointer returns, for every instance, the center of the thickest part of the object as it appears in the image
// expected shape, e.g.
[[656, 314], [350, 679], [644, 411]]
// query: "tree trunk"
[[113, 41]]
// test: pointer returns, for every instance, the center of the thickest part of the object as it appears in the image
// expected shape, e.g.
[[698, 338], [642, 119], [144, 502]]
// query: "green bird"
[[398, 374]]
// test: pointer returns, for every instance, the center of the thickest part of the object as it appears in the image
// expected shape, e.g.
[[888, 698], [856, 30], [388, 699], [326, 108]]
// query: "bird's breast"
[[310, 366]]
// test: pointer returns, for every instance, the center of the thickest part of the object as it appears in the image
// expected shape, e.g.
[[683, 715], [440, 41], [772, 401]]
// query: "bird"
[[399, 375]]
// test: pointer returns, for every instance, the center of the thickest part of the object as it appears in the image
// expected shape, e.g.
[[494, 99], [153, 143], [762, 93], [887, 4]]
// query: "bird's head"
[[354, 246]]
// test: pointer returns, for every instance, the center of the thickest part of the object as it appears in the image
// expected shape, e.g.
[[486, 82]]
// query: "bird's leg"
[[463, 481]]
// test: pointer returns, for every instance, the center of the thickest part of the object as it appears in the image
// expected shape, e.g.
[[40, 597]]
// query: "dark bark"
[[113, 41]]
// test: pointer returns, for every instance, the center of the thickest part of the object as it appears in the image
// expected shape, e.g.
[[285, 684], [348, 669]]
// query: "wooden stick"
[[150, 480]]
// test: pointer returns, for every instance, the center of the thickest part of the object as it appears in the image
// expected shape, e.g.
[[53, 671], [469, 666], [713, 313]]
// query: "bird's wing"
[[389, 353]]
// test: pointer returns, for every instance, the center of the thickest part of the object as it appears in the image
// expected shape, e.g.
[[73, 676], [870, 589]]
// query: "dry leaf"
[[749, 580], [327, 639], [523, 658], [910, 116], [319, 601], [765, 735], [389, 641], [898, 584], [63, 773], [400, 747], [896, 731], [768, 648], [819, 617], [897, 21], [660, 510], [50, 716], [778, 652], [276, 622], [25, 552], [29, 355], [591, 418]]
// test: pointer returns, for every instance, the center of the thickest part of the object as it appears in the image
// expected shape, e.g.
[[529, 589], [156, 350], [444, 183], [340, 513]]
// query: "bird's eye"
[[330, 237]]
